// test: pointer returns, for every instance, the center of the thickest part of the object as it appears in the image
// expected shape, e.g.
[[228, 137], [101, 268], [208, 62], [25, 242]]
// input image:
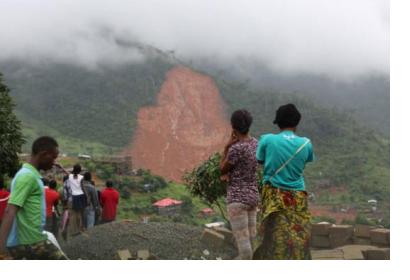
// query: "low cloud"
[[338, 38]]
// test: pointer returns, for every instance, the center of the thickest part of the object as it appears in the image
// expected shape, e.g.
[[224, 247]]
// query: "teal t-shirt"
[[275, 149]]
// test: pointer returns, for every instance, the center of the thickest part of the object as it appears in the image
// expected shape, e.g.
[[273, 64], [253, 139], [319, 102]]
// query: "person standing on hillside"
[[109, 202], [4, 197], [93, 204], [76, 223], [285, 216], [52, 212], [23, 222], [239, 165]]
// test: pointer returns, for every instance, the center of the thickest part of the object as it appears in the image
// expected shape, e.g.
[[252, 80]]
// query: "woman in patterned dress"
[[238, 167]]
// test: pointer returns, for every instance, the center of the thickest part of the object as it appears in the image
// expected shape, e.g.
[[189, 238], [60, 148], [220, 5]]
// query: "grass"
[[173, 190], [68, 145]]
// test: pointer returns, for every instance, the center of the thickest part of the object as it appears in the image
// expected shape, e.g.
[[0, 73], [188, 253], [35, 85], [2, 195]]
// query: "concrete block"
[[143, 254], [362, 231], [361, 241], [380, 237], [376, 254], [320, 241], [212, 239], [335, 254], [340, 235], [320, 228], [124, 254], [354, 252], [229, 238]]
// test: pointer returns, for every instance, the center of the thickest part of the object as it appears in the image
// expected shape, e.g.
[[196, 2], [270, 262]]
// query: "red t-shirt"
[[109, 201], [52, 196], [3, 202]]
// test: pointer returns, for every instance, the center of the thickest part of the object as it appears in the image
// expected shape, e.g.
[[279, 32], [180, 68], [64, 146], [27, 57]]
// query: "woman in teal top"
[[285, 216]]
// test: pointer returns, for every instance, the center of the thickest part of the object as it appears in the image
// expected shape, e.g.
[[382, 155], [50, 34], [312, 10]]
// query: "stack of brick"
[[325, 235], [340, 235], [377, 254], [362, 235], [380, 237], [320, 235]]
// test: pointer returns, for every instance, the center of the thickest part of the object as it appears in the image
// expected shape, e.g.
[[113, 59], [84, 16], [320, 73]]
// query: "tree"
[[11, 137]]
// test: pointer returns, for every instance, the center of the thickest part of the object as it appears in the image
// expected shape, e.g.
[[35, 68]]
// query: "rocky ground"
[[165, 241]]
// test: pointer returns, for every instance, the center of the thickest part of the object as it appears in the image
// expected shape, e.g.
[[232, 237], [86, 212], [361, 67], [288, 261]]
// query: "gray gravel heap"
[[165, 241]]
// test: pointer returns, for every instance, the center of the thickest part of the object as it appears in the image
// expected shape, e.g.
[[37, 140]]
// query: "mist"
[[336, 38]]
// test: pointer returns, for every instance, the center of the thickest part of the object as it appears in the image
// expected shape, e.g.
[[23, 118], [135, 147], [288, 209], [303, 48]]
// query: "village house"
[[168, 206], [207, 212]]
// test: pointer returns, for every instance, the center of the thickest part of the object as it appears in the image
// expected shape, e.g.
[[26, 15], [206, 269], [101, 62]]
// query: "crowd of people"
[[282, 201], [33, 215]]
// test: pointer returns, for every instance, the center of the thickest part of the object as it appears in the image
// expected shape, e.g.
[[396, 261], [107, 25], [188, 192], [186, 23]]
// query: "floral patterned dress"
[[285, 225]]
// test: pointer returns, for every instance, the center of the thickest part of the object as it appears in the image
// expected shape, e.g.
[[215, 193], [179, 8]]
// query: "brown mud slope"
[[187, 125]]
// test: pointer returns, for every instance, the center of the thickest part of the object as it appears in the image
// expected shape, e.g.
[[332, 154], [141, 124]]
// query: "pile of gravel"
[[165, 241]]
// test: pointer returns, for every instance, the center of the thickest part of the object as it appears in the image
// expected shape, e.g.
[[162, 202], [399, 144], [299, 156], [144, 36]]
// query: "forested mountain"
[[99, 106], [366, 97]]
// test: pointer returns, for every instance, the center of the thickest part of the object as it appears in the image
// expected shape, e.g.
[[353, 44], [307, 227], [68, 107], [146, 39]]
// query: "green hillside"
[[94, 111]]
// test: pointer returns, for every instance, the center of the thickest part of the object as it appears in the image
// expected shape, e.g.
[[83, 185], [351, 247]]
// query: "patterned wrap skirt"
[[285, 225]]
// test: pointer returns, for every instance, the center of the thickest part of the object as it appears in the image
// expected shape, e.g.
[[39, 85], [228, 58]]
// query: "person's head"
[[45, 181], [287, 116], [87, 176], [44, 151], [109, 184], [76, 169], [241, 121], [52, 184]]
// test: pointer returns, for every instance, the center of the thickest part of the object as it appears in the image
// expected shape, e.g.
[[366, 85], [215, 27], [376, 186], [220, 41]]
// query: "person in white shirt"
[[79, 201]]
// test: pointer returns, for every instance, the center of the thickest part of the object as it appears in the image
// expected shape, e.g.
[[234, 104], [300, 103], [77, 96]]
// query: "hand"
[[232, 140]]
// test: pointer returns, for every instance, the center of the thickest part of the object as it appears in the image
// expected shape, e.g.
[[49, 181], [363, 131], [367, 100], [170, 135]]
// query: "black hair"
[[87, 176], [241, 121], [43, 143], [52, 184], [76, 170], [287, 116], [2, 184], [108, 184], [45, 181]]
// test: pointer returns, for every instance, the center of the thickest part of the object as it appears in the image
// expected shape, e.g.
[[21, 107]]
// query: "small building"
[[84, 156], [168, 206], [215, 225], [206, 212]]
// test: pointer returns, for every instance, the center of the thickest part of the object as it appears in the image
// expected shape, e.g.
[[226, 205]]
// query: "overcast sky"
[[337, 37]]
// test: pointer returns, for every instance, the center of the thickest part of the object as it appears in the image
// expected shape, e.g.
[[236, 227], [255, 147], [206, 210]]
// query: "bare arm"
[[224, 165], [8, 218]]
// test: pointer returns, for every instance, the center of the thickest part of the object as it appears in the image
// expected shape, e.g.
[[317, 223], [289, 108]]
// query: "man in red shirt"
[[4, 197], [52, 199], [109, 202]]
